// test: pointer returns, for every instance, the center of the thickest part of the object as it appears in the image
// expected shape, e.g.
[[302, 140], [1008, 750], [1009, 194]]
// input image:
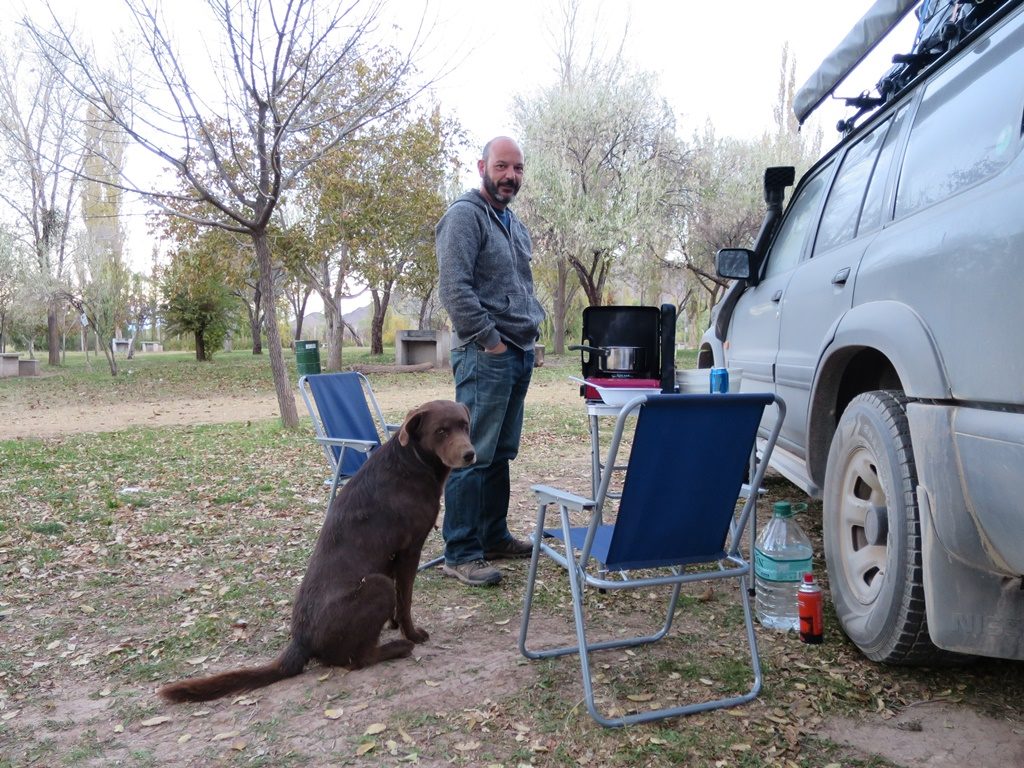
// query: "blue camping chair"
[[348, 422], [339, 405], [676, 523]]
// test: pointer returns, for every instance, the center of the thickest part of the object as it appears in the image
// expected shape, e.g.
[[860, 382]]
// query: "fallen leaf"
[[365, 747], [333, 714], [184, 737], [467, 746], [640, 696], [740, 747], [197, 660], [225, 735], [431, 683], [374, 728], [155, 721]]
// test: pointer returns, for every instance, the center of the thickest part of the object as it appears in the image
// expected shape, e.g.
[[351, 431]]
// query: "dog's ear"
[[466, 409], [411, 425]]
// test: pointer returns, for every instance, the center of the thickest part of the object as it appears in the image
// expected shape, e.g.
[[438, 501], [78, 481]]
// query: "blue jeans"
[[493, 387]]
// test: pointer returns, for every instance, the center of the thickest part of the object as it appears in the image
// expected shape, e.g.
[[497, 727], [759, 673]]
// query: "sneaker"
[[476, 573], [510, 550]]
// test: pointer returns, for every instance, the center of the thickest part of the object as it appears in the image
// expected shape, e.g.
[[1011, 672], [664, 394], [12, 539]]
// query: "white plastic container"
[[617, 396], [782, 555], [697, 381]]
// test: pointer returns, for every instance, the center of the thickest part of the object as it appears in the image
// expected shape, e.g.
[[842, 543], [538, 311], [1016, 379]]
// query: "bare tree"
[[40, 113], [274, 94], [602, 165]]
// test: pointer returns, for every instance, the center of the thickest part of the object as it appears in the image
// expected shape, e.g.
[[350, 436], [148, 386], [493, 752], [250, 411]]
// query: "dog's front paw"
[[417, 635]]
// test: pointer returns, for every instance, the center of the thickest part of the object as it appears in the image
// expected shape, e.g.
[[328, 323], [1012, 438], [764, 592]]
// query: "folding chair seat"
[[676, 524]]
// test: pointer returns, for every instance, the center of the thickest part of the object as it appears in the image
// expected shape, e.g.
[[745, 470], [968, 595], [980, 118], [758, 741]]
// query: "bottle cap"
[[782, 509], [808, 577]]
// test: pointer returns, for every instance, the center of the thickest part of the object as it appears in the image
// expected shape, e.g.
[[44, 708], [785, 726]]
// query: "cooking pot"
[[618, 359]]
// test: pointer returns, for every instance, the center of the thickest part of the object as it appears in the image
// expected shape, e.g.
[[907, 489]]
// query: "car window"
[[842, 209], [968, 126], [871, 212], [789, 241]]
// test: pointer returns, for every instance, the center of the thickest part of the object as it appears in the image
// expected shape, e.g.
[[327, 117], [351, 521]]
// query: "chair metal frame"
[[582, 549]]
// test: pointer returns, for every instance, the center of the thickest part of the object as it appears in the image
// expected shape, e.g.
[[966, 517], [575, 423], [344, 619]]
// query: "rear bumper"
[[971, 495]]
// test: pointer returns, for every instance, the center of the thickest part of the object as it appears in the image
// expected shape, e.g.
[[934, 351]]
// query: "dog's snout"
[[468, 457]]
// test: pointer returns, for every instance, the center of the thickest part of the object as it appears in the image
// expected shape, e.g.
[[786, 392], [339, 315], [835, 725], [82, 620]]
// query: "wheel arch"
[[878, 345]]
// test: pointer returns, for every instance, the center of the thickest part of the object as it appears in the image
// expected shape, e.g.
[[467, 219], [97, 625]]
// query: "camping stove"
[[639, 342]]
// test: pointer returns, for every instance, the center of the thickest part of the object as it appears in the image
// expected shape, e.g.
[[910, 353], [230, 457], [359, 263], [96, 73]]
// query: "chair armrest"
[[365, 446], [548, 495], [392, 428]]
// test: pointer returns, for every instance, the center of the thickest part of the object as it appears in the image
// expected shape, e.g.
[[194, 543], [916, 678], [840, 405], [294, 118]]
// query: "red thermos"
[[809, 604]]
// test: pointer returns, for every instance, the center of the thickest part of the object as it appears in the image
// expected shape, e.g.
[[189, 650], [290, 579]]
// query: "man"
[[484, 253]]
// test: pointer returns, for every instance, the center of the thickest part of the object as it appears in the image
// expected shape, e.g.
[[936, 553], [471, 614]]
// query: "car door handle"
[[840, 277], [777, 296]]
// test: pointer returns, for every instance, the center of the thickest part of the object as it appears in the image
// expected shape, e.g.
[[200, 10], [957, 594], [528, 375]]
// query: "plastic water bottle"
[[782, 555]]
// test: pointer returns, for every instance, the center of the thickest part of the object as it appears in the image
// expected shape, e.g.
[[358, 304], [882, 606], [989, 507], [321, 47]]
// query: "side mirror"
[[735, 263]]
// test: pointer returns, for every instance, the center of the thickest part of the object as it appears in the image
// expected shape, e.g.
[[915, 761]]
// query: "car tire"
[[872, 533]]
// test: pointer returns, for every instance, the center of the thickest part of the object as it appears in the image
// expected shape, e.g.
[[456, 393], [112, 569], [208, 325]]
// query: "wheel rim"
[[863, 526]]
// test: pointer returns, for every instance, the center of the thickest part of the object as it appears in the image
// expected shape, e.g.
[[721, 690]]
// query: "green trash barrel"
[[307, 357]]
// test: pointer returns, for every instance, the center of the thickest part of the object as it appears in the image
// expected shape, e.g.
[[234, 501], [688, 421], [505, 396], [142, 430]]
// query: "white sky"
[[716, 59]]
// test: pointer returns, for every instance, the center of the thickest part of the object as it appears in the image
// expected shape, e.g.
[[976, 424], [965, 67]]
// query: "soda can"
[[719, 380]]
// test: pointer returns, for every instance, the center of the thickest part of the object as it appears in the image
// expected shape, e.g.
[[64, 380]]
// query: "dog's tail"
[[290, 663]]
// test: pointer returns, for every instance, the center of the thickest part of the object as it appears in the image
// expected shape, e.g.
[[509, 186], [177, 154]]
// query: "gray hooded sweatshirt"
[[485, 279]]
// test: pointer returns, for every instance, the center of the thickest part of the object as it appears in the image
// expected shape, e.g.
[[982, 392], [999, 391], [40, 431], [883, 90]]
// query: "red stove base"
[[592, 394]]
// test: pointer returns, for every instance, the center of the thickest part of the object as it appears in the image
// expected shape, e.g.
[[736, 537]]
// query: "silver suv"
[[885, 306]]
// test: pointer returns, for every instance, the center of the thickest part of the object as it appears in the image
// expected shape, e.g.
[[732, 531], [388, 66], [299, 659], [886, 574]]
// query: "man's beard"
[[497, 195]]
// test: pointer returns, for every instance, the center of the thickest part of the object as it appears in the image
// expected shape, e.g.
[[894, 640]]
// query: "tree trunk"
[[353, 331], [254, 323], [52, 334], [285, 398], [380, 309], [108, 352], [559, 310], [200, 346], [335, 333]]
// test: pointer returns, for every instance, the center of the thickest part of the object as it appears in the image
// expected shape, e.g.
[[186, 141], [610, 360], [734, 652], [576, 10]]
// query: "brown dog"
[[361, 572]]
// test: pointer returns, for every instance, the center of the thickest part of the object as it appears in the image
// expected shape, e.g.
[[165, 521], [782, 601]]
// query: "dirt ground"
[[923, 735]]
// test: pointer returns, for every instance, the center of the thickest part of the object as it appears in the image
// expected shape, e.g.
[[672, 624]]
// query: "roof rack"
[[944, 26]]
